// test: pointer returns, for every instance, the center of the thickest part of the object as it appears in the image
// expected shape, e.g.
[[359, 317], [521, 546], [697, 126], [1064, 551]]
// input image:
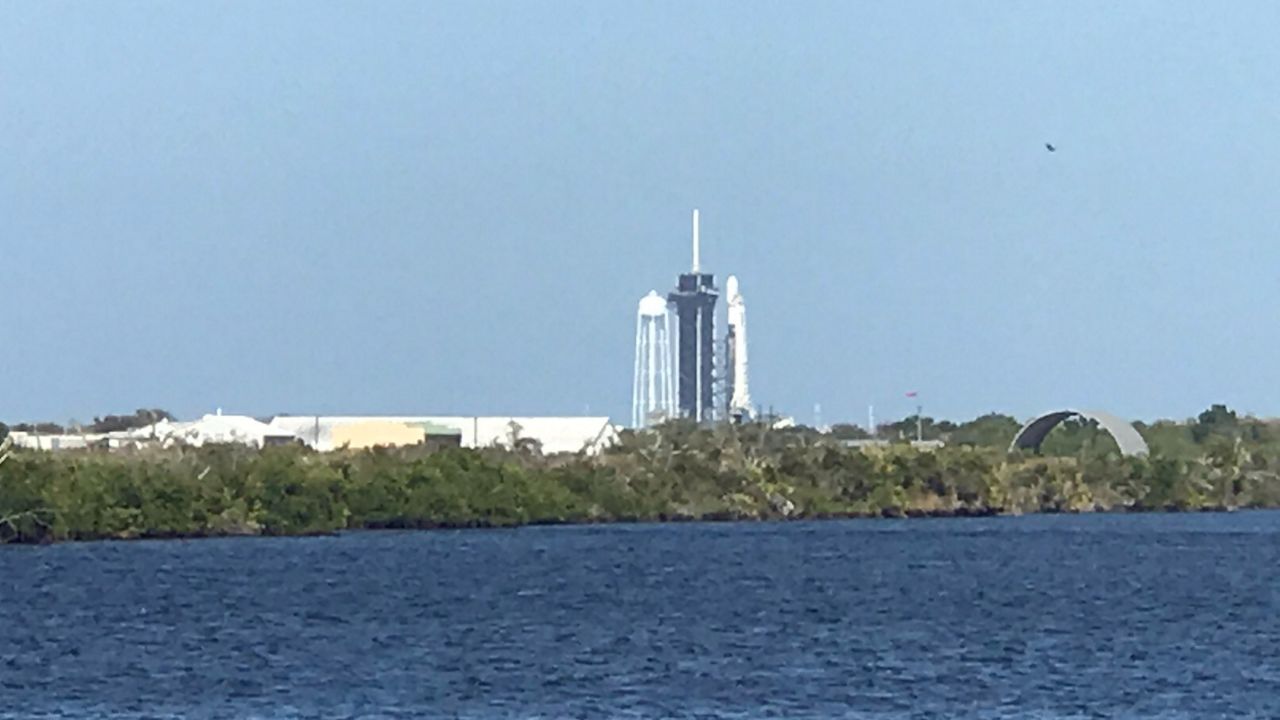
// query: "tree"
[[1169, 486], [848, 431], [42, 428], [1227, 461], [1078, 437], [1217, 420], [905, 429], [139, 419], [992, 430]]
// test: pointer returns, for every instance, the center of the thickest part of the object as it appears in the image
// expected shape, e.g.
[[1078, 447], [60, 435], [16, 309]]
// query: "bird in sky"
[[1050, 147]]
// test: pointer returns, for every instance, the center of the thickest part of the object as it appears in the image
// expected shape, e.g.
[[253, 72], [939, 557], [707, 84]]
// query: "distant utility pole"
[[919, 411]]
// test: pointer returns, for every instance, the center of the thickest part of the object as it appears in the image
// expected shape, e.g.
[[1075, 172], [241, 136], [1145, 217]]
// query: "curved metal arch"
[[1127, 438]]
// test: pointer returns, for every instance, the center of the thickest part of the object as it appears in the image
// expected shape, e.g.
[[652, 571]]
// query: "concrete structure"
[[695, 300], [1032, 435], [552, 434], [653, 396]]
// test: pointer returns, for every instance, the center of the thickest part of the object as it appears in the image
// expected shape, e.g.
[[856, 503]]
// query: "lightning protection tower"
[[653, 397], [695, 302]]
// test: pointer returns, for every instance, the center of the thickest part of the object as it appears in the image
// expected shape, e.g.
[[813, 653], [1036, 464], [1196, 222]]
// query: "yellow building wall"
[[374, 433]]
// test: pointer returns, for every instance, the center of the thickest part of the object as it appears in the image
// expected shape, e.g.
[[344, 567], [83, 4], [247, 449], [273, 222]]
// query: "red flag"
[[913, 393]]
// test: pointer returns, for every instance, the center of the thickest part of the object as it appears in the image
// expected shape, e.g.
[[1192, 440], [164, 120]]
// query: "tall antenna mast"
[[695, 241]]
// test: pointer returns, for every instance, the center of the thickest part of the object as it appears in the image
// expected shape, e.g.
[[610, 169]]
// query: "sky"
[[453, 207]]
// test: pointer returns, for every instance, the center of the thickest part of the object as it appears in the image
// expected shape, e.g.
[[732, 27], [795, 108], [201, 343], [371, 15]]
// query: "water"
[[1050, 617]]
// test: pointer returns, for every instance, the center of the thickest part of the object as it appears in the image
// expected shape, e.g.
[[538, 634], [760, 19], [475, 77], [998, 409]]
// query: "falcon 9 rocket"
[[738, 393]]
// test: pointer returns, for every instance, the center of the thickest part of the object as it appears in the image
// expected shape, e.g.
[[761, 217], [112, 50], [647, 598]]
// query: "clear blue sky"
[[430, 207]]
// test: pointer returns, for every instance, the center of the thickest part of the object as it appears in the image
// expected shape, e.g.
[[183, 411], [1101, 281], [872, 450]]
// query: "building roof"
[[225, 429], [210, 429]]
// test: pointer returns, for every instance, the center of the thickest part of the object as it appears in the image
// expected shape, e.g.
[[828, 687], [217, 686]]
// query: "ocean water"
[[1170, 616]]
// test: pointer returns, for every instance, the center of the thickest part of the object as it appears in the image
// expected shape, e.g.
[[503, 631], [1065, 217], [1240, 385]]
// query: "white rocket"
[[740, 398]]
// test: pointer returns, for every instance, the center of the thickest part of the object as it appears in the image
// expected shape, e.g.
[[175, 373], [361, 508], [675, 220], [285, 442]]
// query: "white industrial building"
[[210, 429], [552, 434], [325, 433]]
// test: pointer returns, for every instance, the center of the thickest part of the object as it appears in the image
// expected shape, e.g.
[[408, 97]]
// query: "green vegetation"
[[676, 472]]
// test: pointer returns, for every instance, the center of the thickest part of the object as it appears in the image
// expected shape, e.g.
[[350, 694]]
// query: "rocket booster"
[[740, 401]]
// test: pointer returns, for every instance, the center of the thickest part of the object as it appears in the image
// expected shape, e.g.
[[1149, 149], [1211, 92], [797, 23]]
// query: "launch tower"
[[695, 300]]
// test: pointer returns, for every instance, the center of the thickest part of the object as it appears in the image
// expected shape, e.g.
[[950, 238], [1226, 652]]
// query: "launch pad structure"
[[686, 380], [695, 300]]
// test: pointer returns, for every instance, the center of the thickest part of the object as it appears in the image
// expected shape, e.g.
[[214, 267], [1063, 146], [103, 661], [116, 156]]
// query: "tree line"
[[677, 471], [106, 424]]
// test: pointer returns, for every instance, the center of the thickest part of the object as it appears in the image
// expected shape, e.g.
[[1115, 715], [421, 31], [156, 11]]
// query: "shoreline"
[[715, 518], [679, 474]]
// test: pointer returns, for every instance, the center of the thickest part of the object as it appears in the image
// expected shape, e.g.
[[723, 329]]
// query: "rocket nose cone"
[[731, 286]]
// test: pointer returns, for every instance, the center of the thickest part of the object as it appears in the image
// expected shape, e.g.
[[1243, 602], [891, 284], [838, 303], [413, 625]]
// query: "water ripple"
[[1043, 617]]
